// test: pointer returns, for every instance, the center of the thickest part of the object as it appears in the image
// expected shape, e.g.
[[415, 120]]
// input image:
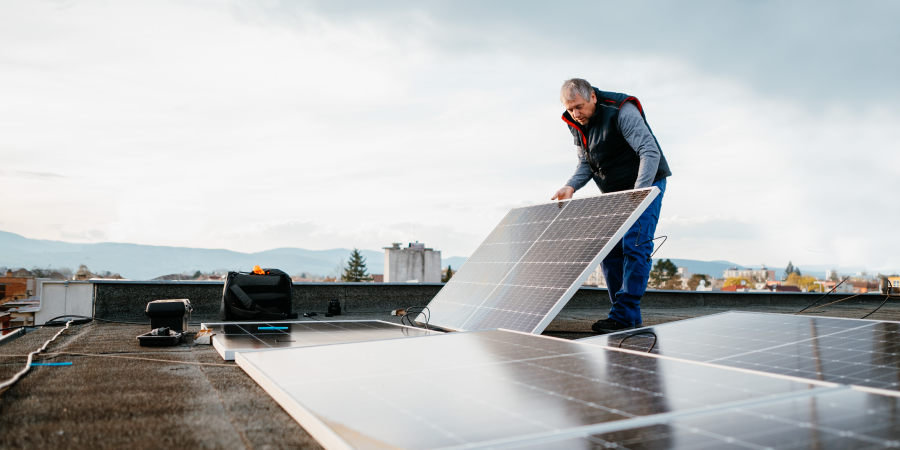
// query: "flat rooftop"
[[127, 399]]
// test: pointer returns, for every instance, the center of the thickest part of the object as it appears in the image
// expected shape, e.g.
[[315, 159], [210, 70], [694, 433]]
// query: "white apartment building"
[[414, 264], [761, 274]]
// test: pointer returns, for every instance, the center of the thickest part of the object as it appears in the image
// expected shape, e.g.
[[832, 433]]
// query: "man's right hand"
[[563, 194]]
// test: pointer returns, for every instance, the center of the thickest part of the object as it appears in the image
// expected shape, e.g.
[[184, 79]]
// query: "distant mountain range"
[[143, 262]]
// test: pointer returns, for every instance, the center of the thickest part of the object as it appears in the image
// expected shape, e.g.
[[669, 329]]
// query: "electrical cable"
[[22, 372], [638, 334], [51, 323], [836, 301], [422, 311], [826, 294], [886, 298], [131, 357], [83, 320], [636, 238]]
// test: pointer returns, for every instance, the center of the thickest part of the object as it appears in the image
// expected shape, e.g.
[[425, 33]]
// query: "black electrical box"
[[171, 314], [334, 307], [161, 337]]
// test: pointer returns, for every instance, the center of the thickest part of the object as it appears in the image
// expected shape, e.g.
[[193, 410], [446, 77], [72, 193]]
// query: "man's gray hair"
[[573, 87]]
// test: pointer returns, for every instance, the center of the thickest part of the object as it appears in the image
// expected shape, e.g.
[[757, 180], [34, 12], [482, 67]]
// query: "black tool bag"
[[251, 296]]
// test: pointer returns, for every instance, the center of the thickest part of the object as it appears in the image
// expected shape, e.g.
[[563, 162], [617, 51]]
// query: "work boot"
[[609, 326]]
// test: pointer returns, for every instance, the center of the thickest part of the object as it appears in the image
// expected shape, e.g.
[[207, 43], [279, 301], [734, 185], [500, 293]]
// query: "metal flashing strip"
[[534, 261], [233, 337]]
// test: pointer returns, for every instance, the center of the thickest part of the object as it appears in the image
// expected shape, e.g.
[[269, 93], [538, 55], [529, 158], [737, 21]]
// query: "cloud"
[[366, 235], [83, 236], [256, 125], [709, 227], [814, 52], [44, 176]]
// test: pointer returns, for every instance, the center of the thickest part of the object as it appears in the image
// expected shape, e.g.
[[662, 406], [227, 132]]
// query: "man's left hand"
[[563, 194]]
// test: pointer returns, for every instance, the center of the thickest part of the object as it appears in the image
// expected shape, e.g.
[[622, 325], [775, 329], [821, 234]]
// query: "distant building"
[[828, 285], [760, 275], [894, 281], [596, 278], [377, 278], [414, 264], [862, 287], [83, 274], [172, 277], [734, 288], [16, 285], [685, 275], [779, 288]]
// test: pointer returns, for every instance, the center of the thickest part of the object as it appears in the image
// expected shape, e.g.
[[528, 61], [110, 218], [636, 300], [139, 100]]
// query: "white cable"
[[16, 377]]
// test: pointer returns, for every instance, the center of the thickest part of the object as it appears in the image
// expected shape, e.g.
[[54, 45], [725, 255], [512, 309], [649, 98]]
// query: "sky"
[[252, 125]]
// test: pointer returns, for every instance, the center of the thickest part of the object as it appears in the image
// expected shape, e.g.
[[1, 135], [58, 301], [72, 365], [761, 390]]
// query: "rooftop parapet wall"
[[126, 300]]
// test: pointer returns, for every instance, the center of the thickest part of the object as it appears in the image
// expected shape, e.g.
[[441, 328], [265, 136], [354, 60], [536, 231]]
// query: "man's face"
[[580, 109]]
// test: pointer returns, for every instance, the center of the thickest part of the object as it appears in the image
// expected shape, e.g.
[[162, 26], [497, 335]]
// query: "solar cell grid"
[[466, 388], [829, 420], [846, 351], [533, 261]]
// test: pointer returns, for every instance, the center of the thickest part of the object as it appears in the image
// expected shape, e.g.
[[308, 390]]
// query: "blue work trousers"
[[626, 268]]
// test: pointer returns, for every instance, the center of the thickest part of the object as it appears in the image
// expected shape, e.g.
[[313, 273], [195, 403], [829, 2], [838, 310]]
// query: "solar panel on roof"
[[462, 389], [534, 261], [838, 419], [232, 337], [846, 351]]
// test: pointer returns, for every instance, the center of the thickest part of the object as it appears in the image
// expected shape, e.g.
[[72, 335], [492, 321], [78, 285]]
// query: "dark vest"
[[614, 163]]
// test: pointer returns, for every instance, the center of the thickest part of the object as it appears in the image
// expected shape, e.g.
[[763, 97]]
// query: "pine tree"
[[356, 268], [448, 275], [787, 271]]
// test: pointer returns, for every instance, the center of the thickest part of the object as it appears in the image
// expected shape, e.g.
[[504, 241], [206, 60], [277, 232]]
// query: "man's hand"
[[563, 194]]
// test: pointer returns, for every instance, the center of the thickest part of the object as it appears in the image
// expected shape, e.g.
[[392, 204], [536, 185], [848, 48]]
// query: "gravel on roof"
[[115, 403]]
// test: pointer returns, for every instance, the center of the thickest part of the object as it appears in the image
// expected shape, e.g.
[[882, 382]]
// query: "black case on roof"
[[251, 296]]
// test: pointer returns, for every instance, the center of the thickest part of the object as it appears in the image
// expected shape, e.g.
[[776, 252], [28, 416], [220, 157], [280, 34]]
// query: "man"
[[619, 152]]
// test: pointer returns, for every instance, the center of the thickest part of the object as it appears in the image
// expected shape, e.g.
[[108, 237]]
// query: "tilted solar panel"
[[534, 261]]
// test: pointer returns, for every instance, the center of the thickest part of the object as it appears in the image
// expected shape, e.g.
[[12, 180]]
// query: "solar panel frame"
[[448, 317], [260, 343]]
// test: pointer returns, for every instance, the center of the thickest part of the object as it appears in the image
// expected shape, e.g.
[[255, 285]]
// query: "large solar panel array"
[[845, 351], [534, 261], [487, 388], [233, 337]]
